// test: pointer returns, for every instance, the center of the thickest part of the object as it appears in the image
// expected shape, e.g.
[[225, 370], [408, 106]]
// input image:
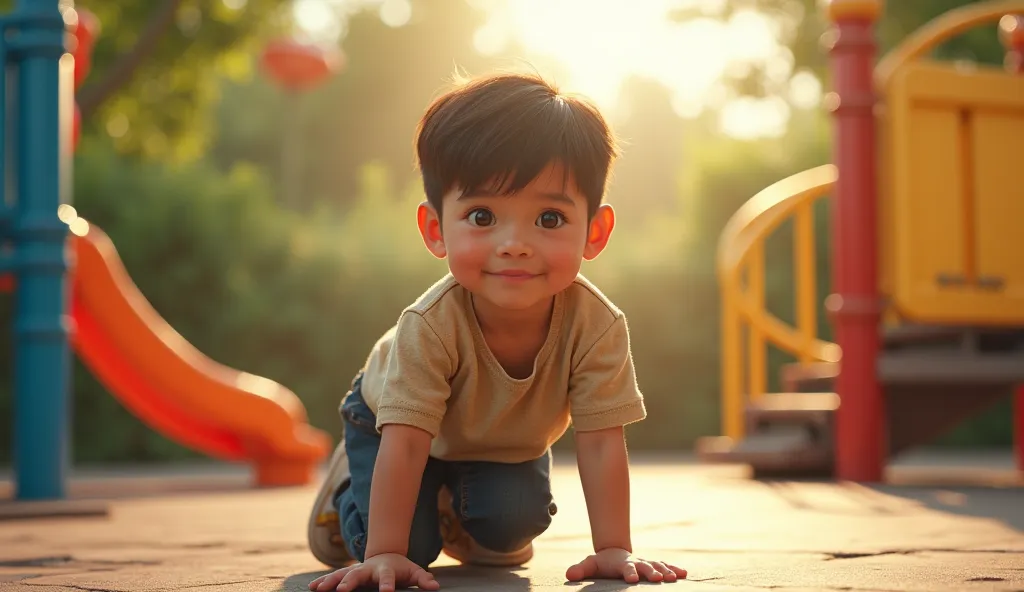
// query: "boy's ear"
[[430, 229], [600, 231]]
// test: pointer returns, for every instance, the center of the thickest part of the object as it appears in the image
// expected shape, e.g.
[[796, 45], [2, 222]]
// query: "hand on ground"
[[386, 571], [619, 563]]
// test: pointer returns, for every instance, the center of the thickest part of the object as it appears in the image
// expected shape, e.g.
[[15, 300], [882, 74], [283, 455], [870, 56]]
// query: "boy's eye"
[[550, 220], [480, 217]]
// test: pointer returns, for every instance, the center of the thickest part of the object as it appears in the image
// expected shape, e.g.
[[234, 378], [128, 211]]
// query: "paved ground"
[[203, 528]]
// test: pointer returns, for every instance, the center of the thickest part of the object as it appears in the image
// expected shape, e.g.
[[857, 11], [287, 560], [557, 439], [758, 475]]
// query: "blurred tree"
[[803, 23], [158, 64], [368, 113]]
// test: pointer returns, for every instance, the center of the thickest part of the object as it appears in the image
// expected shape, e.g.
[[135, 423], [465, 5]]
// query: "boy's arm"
[[396, 484], [604, 473], [409, 412]]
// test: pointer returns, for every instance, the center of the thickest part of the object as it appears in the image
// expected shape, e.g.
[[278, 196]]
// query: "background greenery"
[[179, 165]]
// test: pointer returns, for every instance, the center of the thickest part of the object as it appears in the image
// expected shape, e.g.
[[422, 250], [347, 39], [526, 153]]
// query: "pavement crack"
[[71, 561], [783, 588], [841, 555], [72, 586], [834, 555], [223, 583], [38, 561]]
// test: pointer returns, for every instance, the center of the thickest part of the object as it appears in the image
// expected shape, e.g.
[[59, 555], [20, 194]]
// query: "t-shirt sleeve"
[[603, 392], [416, 384]]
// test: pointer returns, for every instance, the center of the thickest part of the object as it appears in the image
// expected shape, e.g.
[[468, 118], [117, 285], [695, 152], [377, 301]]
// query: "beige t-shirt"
[[433, 370]]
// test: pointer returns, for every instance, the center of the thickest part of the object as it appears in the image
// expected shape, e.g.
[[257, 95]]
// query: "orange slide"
[[172, 387]]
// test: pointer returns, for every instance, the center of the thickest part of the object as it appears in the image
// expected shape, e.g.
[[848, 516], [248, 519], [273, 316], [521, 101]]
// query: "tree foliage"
[[158, 66]]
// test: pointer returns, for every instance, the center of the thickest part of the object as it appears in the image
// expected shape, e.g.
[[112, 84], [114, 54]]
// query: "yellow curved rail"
[[741, 257], [741, 265], [943, 27]]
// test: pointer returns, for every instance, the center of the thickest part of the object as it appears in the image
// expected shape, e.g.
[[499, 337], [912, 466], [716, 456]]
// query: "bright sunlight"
[[595, 47]]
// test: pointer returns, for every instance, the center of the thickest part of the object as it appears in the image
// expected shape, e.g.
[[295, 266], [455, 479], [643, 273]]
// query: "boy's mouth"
[[513, 274]]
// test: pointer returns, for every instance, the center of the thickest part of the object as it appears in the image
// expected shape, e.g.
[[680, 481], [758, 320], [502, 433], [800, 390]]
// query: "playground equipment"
[[297, 68], [172, 387], [150, 368], [928, 260]]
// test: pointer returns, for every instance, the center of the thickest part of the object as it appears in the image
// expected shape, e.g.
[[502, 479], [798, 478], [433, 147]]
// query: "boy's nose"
[[514, 247]]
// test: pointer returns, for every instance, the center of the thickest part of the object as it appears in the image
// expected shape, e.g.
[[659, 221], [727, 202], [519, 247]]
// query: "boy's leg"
[[353, 499], [324, 529], [499, 508]]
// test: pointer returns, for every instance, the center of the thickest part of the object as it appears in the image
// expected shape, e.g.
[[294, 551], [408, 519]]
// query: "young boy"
[[448, 427]]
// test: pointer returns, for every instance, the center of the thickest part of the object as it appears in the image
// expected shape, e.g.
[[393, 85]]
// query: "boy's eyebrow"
[[550, 196], [561, 197]]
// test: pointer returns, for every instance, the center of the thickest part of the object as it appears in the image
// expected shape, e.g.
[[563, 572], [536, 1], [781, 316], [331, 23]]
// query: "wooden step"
[[909, 367], [922, 337], [814, 410], [788, 435], [792, 434], [816, 377], [776, 451], [963, 368]]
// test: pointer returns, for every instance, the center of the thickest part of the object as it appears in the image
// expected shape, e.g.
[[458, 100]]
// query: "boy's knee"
[[507, 523], [424, 548], [510, 529]]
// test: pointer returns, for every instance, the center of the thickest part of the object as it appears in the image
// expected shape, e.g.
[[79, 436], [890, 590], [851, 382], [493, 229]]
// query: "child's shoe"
[[324, 530], [460, 546]]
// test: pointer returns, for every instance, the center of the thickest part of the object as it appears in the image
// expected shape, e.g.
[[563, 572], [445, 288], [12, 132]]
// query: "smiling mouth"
[[513, 275]]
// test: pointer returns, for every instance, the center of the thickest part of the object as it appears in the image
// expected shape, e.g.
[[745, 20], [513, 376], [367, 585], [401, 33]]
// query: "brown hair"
[[507, 128]]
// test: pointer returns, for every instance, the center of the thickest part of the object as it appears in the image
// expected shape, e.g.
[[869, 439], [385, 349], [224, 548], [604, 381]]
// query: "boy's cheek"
[[564, 261], [466, 258]]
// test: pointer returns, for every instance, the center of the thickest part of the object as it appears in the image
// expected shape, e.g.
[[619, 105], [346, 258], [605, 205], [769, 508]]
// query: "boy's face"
[[517, 251]]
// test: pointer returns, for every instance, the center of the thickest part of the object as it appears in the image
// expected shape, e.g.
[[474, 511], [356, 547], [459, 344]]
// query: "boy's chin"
[[514, 302]]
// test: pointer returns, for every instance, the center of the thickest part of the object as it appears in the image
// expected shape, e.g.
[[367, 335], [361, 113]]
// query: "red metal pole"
[[861, 439], [1018, 426], [1011, 32]]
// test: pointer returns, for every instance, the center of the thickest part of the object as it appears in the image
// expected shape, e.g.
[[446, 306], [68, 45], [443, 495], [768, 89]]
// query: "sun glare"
[[593, 47], [602, 44]]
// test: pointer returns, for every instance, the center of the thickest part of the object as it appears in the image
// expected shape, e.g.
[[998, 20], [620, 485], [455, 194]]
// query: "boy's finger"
[[629, 573], [670, 576], [584, 569], [386, 577], [329, 581], [680, 572], [424, 580], [648, 571], [354, 579]]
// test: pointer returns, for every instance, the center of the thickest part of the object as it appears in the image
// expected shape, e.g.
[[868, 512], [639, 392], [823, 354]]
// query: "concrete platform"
[[194, 528]]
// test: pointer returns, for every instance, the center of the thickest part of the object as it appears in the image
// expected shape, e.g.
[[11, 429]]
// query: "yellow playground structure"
[[927, 294]]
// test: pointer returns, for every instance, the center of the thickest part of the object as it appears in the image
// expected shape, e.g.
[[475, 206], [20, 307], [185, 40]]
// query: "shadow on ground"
[[450, 578], [1005, 505], [299, 582], [1001, 504], [457, 577]]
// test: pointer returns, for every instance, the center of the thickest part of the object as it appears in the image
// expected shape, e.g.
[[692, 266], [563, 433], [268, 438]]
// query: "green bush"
[[301, 299]]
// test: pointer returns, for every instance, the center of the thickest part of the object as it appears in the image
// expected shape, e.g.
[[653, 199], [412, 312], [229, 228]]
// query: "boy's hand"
[[617, 563], [386, 571]]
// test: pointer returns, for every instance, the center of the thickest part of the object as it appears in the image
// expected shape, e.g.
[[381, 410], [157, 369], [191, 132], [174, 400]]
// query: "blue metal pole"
[[5, 136], [42, 363], [6, 212]]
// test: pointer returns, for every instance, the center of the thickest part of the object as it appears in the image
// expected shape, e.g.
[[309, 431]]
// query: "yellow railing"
[[741, 265], [942, 28], [741, 275]]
